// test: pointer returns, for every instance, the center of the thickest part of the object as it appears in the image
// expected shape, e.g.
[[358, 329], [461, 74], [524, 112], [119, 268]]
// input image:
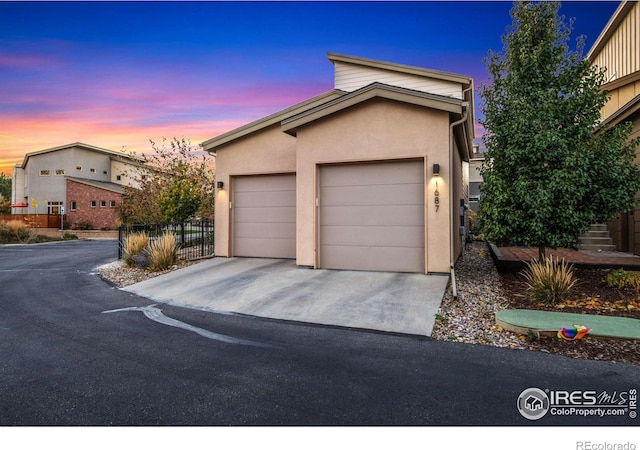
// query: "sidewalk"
[[513, 259]]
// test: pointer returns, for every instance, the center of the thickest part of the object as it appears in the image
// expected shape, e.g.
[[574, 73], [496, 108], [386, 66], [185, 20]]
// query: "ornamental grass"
[[549, 281], [134, 245], [162, 252]]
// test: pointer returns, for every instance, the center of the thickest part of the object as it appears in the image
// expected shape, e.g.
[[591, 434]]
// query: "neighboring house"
[[368, 176], [618, 50], [88, 181], [475, 178]]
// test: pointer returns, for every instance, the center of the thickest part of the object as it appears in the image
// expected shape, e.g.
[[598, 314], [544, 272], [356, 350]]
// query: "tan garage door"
[[264, 216], [372, 216]]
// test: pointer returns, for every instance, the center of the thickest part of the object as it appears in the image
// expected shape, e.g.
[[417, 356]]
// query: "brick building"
[[87, 181], [92, 203]]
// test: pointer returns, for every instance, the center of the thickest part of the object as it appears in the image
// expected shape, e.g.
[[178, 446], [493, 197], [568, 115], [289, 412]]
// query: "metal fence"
[[195, 239]]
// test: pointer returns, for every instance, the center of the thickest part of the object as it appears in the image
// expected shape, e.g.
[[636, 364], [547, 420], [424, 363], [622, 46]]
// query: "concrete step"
[[595, 240], [597, 247], [596, 234], [599, 227]]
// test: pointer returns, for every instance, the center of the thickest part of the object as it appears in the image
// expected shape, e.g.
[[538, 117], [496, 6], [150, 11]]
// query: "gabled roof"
[[429, 73], [106, 185], [112, 153], [617, 17], [272, 119], [374, 90]]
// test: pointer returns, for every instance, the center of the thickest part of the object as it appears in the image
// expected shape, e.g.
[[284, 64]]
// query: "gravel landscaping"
[[482, 291]]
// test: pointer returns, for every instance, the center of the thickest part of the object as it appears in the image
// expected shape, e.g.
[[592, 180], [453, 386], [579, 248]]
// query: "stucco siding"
[[351, 77], [269, 151], [377, 130], [51, 187]]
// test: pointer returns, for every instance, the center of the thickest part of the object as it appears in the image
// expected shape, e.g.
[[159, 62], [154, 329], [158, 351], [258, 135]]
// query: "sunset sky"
[[117, 74]]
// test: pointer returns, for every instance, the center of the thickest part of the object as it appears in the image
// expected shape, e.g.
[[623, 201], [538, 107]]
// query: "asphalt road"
[[64, 361]]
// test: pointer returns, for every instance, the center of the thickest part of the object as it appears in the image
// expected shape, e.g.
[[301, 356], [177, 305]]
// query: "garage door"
[[264, 216], [372, 217]]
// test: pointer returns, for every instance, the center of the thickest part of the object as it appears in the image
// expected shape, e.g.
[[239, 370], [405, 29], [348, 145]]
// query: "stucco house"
[[617, 48], [372, 175], [87, 181]]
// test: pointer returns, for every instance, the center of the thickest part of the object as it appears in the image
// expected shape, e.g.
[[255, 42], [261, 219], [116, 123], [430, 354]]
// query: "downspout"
[[465, 105]]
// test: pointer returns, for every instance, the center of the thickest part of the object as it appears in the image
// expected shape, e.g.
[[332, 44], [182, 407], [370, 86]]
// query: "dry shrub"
[[15, 231], [549, 281], [134, 245], [163, 252]]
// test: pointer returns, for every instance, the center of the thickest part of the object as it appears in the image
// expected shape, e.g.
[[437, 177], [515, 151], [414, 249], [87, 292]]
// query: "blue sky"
[[116, 74]]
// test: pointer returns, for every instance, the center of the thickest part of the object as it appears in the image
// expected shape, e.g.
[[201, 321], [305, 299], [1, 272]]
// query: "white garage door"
[[264, 216], [372, 216]]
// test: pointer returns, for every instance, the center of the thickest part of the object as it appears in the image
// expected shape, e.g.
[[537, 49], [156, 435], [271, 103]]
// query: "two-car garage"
[[370, 216], [366, 176]]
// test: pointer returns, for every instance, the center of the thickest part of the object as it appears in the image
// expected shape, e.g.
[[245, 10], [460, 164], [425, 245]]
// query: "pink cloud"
[[26, 61]]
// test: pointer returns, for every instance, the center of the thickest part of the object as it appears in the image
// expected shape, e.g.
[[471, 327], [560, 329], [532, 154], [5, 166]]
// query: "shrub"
[[15, 232], [549, 281], [133, 245], [83, 225], [69, 236], [621, 279], [163, 252]]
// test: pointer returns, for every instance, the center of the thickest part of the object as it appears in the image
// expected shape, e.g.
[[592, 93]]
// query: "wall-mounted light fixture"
[[436, 170], [220, 184]]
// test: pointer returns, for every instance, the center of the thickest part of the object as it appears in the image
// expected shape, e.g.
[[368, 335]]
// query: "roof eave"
[[211, 144], [617, 17], [374, 90], [628, 109], [466, 81], [112, 153]]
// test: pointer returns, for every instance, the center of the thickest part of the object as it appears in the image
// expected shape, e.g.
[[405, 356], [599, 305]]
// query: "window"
[[119, 177], [78, 167], [92, 170], [59, 172], [74, 205], [54, 207], [45, 173], [104, 172], [103, 203], [93, 203], [112, 203]]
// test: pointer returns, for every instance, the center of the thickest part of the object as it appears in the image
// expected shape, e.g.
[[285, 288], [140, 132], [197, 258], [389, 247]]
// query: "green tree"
[[549, 171], [177, 185], [5, 194], [5, 186]]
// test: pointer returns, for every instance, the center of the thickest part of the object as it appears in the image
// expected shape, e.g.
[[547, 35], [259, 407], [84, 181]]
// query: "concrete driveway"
[[278, 289]]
